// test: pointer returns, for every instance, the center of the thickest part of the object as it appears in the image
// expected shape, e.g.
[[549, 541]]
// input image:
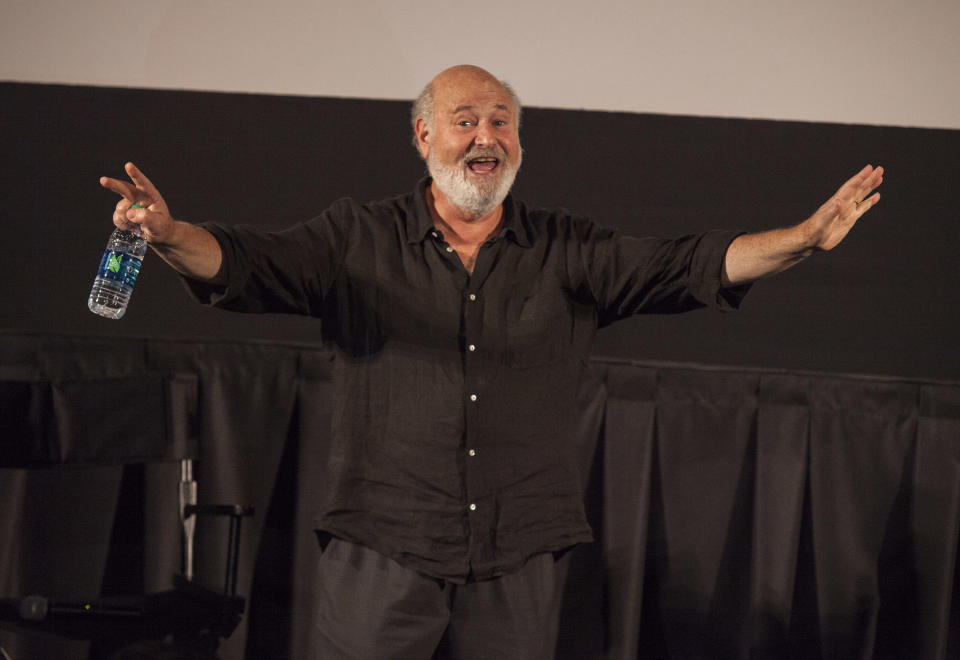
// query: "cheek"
[[450, 150], [514, 153]]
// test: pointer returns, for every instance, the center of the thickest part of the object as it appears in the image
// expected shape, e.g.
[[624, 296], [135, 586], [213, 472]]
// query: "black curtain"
[[884, 302], [738, 512]]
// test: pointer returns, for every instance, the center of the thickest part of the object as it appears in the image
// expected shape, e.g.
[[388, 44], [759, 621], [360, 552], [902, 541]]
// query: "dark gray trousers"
[[370, 607]]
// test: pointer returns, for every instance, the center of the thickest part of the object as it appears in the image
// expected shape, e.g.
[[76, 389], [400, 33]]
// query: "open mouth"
[[483, 164]]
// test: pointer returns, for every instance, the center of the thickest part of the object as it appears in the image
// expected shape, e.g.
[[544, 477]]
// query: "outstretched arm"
[[754, 256], [191, 250]]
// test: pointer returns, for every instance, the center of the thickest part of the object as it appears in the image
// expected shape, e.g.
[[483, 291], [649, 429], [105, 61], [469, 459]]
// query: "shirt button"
[[471, 348], [473, 507], [473, 397], [473, 296], [434, 234], [472, 452], [449, 249]]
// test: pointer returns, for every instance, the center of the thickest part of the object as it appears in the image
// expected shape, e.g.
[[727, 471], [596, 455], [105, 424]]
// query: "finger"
[[122, 188], [875, 180], [142, 182], [860, 185], [849, 191], [852, 209], [868, 203], [120, 218], [869, 184], [864, 173], [136, 215], [858, 180]]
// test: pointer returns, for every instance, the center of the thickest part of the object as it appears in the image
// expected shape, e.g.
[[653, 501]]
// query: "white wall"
[[876, 62]]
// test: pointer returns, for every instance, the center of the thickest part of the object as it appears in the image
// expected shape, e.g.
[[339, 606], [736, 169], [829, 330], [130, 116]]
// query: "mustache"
[[484, 152]]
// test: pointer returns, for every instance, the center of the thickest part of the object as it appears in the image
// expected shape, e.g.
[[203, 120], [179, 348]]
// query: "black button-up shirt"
[[455, 393]]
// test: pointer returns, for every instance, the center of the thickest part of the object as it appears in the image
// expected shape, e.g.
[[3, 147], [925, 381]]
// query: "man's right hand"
[[154, 219], [191, 250]]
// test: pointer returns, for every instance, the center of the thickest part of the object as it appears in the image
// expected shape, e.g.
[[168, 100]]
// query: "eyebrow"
[[499, 106]]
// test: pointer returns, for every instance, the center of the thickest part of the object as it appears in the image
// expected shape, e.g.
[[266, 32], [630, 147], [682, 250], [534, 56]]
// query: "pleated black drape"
[[738, 512], [779, 515]]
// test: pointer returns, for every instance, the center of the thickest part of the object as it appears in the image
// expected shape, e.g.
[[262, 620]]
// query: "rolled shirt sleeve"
[[628, 275]]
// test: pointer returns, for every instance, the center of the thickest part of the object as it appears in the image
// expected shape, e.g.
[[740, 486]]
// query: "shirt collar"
[[421, 224]]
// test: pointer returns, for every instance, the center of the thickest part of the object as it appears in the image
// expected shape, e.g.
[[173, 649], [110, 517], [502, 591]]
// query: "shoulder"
[[380, 208], [552, 223], [348, 213]]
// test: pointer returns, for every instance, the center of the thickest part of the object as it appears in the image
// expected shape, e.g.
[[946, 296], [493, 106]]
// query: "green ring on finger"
[[137, 205]]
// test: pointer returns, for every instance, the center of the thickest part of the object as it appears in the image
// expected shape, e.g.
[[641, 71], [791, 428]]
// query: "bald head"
[[448, 83], [465, 75]]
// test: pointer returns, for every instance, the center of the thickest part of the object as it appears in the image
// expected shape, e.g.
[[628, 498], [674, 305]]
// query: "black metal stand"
[[236, 513], [189, 620]]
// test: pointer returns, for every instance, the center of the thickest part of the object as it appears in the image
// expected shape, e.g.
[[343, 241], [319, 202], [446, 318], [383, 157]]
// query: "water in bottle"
[[118, 273]]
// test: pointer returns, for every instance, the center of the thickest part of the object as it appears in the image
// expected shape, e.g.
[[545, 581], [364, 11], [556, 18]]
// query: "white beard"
[[474, 199]]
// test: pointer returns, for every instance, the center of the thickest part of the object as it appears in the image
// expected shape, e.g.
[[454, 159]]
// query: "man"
[[461, 320]]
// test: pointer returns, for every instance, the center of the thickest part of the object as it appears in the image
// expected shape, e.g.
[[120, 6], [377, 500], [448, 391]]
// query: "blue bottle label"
[[119, 267]]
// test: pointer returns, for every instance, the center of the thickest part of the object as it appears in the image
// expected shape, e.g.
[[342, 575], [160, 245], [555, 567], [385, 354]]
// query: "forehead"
[[473, 93]]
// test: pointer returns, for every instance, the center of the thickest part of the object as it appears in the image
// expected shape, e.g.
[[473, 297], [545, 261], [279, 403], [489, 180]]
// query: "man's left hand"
[[754, 256], [832, 221]]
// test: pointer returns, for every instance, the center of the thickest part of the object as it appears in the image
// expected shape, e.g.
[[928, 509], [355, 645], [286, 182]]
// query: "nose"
[[484, 135]]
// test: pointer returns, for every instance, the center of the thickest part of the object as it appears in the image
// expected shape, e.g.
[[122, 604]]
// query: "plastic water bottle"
[[118, 272]]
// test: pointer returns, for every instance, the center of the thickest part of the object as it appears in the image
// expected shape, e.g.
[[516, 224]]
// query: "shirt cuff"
[[723, 299], [210, 293]]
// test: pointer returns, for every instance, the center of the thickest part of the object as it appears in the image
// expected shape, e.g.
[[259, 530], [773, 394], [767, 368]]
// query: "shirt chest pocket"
[[539, 329]]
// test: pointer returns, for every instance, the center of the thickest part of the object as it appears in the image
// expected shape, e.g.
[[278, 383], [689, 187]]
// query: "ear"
[[422, 130]]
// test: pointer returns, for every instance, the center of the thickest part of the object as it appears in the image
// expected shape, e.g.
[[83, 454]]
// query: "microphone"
[[38, 608]]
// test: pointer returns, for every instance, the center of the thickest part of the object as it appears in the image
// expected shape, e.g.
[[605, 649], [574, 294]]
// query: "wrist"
[[169, 238], [806, 238]]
